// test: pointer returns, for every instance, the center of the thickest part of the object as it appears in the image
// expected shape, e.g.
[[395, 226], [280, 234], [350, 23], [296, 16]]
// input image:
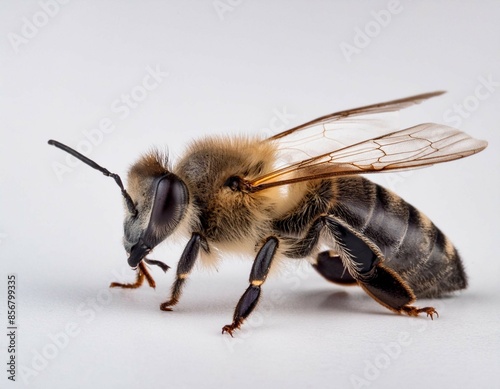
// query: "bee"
[[299, 195]]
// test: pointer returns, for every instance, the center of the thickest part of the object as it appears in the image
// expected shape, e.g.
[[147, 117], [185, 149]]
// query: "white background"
[[230, 70]]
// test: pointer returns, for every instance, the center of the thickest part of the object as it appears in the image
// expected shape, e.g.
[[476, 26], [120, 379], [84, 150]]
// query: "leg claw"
[[414, 311], [229, 328], [430, 312], [166, 306]]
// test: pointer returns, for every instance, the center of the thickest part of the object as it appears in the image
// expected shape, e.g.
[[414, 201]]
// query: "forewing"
[[340, 129], [421, 145]]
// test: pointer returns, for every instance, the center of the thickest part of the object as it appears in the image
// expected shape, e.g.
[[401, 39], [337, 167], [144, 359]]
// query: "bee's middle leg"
[[258, 275]]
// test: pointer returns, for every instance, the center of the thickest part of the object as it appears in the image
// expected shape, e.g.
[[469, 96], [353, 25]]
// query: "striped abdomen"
[[412, 245]]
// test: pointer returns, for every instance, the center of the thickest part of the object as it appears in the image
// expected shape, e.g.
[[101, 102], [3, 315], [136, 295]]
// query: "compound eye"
[[170, 199]]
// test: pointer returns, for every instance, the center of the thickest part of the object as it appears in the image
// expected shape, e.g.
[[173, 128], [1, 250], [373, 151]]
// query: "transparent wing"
[[421, 145], [340, 129], [388, 106]]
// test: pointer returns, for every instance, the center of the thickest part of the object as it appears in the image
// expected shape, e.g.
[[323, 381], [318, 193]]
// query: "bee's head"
[[160, 201], [155, 203]]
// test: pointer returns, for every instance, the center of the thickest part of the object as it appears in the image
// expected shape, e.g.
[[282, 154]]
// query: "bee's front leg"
[[141, 274], [258, 275]]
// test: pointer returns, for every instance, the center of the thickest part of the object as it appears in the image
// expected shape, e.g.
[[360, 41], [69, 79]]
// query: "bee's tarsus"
[[163, 266], [142, 274], [414, 311]]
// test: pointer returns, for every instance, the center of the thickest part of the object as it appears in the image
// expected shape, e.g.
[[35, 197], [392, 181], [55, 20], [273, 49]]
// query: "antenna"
[[130, 204]]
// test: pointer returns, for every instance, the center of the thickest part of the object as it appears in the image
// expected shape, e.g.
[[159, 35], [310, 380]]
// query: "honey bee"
[[299, 194]]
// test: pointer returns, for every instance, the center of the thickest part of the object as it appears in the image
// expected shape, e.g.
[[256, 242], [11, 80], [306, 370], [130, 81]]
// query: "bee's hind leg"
[[330, 266], [142, 273], [386, 287], [367, 268]]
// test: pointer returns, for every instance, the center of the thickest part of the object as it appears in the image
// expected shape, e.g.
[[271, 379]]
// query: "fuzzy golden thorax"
[[225, 214]]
